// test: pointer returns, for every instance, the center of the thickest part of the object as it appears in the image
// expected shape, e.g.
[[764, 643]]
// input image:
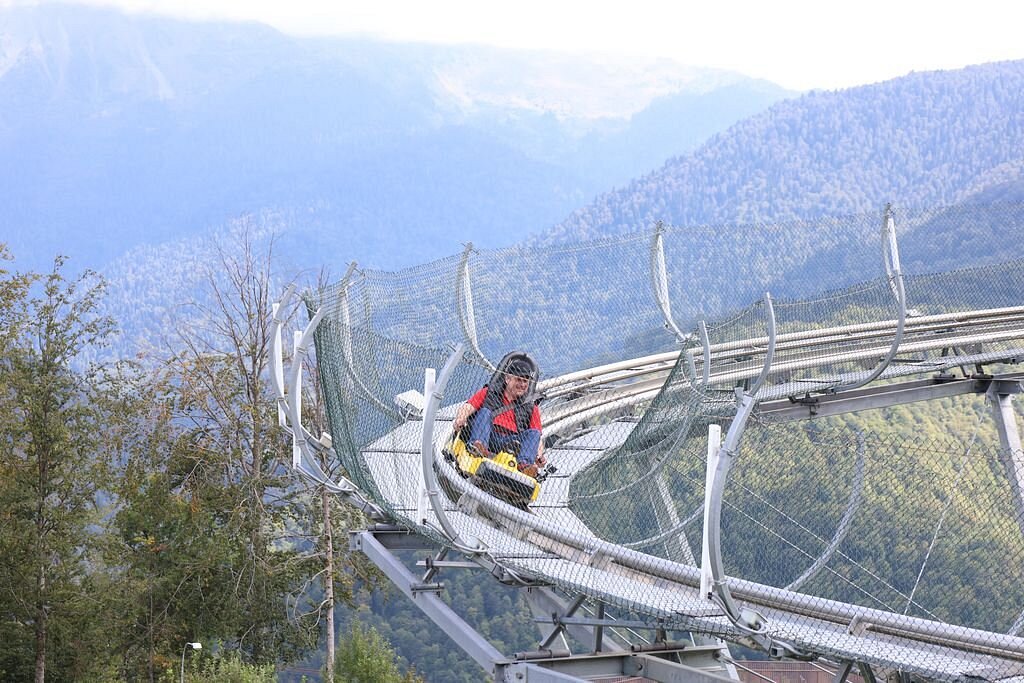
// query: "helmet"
[[519, 368]]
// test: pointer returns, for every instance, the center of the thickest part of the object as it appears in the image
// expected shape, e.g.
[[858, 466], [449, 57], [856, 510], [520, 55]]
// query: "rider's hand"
[[541, 460]]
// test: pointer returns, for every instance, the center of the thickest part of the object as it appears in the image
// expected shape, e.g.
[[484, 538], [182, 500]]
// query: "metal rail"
[[588, 394]]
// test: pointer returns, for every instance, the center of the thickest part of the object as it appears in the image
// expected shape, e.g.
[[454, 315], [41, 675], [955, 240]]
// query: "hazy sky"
[[799, 44]]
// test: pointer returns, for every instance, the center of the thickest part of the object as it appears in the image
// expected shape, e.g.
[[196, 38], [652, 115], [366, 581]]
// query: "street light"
[[194, 646]]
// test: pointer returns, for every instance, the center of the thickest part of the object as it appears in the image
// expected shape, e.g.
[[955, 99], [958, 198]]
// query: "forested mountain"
[[926, 139], [123, 130]]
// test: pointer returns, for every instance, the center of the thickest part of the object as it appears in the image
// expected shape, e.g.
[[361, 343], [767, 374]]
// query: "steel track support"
[[544, 603], [1000, 398], [429, 602], [702, 666], [703, 663]]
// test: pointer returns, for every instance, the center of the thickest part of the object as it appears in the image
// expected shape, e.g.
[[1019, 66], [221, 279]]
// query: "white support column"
[[423, 499], [714, 445], [297, 401]]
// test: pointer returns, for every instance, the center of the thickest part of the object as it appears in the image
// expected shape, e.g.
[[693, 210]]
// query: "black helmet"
[[519, 368], [515, 364]]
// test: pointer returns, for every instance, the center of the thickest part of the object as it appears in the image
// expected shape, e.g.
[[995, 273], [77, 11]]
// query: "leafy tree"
[[51, 473], [227, 667], [214, 539], [209, 517], [364, 656]]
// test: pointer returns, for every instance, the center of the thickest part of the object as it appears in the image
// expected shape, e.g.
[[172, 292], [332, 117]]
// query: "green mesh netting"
[[913, 510]]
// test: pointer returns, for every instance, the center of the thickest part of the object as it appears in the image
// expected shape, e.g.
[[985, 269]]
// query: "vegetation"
[[146, 506], [366, 657], [922, 140]]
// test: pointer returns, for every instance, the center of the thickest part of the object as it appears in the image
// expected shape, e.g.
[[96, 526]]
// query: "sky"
[[799, 44]]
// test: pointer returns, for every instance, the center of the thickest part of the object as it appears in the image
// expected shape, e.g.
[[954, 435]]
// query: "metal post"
[[194, 646], [714, 444], [427, 449], [1010, 447], [706, 344], [464, 302], [659, 281], [297, 436]]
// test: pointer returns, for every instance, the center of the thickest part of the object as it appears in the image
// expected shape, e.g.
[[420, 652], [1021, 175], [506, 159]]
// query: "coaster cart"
[[498, 473]]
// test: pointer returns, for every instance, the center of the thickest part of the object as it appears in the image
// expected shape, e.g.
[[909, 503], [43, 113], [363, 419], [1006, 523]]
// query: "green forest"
[[145, 503]]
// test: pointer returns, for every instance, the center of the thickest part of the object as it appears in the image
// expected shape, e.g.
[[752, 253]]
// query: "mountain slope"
[[130, 130], [921, 140]]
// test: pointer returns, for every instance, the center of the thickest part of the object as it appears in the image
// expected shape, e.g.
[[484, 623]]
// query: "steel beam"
[[702, 667], [482, 652], [887, 396], [1010, 453], [395, 537]]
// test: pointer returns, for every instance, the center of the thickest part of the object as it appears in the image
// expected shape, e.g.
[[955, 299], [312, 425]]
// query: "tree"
[[50, 475], [210, 522], [364, 656], [215, 539], [337, 572]]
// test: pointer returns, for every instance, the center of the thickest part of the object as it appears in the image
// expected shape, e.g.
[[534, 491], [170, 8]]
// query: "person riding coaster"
[[496, 435]]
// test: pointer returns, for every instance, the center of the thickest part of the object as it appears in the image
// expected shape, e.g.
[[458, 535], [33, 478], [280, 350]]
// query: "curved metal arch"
[[427, 452], [464, 304], [894, 274], [289, 415], [705, 342], [300, 435], [844, 523], [657, 465], [745, 619], [659, 283]]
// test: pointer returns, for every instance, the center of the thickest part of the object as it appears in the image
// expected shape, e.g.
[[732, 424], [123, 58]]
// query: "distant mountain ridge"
[[926, 139], [131, 130]]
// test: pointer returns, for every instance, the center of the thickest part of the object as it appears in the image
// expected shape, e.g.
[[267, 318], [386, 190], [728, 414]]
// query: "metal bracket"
[[891, 258], [556, 619]]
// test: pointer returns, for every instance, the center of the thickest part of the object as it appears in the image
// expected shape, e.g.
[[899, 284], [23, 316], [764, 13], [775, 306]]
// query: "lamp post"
[[194, 646]]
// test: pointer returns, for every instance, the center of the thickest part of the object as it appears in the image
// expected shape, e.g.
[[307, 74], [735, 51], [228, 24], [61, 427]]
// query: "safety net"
[[903, 502]]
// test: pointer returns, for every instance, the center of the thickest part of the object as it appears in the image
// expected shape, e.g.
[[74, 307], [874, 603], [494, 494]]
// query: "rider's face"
[[516, 386]]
